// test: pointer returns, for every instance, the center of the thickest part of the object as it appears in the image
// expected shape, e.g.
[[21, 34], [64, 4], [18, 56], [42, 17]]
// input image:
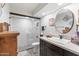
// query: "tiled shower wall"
[[24, 27], [27, 29]]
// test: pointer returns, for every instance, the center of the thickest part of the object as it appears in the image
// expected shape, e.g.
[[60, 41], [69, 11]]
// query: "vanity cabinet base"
[[48, 49], [8, 43]]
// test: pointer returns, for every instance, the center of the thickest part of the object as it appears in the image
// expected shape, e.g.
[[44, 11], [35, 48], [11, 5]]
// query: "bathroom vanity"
[[8, 43], [8, 40], [51, 47]]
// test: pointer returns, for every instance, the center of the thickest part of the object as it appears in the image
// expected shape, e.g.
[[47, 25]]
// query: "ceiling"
[[26, 8], [50, 8], [35, 9]]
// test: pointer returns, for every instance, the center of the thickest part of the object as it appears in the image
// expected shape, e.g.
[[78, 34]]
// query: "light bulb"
[[60, 3]]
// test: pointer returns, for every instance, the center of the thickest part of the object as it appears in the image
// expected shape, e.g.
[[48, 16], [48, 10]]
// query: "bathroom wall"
[[36, 29], [5, 14], [51, 30]]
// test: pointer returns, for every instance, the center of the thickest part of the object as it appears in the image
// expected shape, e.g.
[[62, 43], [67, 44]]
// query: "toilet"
[[35, 46]]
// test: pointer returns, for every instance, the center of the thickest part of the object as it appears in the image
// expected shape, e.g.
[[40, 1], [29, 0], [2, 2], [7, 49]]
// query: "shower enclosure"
[[29, 30]]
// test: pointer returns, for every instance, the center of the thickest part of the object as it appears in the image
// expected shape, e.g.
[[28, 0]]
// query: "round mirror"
[[64, 21]]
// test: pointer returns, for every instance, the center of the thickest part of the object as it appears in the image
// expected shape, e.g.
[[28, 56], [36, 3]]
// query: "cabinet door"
[[51, 52], [4, 47], [47, 49], [12, 46], [54, 49], [8, 46], [43, 50]]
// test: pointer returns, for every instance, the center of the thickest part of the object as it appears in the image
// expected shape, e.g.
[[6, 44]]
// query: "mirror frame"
[[70, 27]]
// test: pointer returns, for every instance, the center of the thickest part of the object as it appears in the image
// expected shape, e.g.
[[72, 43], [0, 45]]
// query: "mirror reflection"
[[64, 21]]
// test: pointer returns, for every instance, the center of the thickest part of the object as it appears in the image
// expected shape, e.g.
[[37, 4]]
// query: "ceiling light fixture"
[[59, 3], [43, 14]]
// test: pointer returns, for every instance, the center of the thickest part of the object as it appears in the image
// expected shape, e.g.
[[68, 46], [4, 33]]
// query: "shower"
[[29, 29]]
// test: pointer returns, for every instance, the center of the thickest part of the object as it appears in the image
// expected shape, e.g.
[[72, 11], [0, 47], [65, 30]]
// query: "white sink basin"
[[62, 41]]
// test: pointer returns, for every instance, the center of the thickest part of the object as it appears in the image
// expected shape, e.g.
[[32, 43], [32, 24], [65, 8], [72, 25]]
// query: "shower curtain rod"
[[24, 15]]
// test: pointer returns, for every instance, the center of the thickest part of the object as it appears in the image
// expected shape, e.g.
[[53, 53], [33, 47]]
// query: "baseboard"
[[23, 48]]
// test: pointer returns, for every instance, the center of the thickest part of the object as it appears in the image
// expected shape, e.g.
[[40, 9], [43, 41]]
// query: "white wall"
[[45, 20], [5, 14]]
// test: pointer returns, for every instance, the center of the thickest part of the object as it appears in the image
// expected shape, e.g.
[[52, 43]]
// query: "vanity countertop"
[[69, 46], [6, 34]]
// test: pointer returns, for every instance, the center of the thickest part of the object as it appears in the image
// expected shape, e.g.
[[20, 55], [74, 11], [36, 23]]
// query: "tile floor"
[[30, 52]]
